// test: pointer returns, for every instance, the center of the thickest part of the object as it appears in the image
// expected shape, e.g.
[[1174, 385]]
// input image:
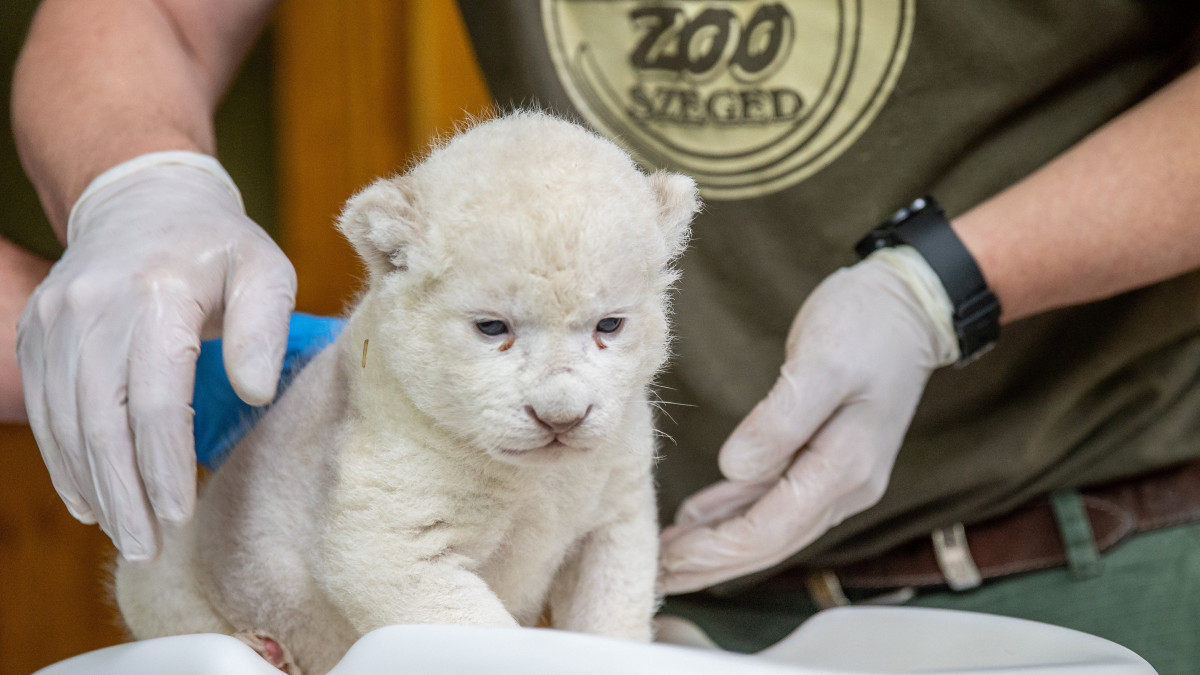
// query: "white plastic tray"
[[848, 641]]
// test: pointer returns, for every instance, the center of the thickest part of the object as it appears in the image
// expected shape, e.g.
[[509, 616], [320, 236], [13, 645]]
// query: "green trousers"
[[1144, 594]]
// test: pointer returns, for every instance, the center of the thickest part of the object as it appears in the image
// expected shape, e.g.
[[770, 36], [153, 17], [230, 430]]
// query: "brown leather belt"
[[1028, 538]]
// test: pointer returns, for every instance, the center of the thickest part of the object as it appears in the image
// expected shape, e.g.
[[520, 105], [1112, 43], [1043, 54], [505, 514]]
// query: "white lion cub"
[[486, 457]]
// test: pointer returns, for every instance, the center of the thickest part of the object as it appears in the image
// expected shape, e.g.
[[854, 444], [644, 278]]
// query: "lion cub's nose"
[[559, 422]]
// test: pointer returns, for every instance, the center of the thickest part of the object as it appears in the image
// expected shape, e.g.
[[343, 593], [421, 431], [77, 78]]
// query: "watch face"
[[746, 96]]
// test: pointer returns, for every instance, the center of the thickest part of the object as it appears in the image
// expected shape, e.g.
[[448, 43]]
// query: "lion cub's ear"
[[678, 202], [382, 224]]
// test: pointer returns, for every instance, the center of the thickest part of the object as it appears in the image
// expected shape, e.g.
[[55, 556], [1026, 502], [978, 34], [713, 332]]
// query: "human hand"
[[820, 447], [158, 251]]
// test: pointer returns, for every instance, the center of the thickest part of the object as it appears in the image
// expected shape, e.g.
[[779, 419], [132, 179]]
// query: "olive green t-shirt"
[[806, 123]]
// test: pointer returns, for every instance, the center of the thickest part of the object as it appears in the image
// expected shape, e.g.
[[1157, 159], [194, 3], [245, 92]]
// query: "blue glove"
[[221, 417]]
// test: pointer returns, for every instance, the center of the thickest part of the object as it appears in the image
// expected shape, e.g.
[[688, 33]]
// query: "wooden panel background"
[[361, 87], [53, 588]]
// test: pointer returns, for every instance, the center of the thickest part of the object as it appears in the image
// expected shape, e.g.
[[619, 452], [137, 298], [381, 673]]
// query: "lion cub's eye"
[[492, 328], [609, 325]]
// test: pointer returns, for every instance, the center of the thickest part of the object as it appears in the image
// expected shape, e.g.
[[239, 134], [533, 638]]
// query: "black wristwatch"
[[923, 225]]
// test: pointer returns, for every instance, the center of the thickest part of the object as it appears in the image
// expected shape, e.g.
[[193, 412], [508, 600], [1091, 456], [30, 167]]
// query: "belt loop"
[[954, 558], [1083, 559]]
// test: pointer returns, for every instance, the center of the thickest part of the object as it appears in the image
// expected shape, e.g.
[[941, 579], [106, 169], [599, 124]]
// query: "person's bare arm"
[[20, 273], [101, 82], [159, 251], [1118, 211]]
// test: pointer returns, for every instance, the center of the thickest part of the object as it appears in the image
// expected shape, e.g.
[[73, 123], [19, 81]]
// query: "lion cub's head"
[[518, 280]]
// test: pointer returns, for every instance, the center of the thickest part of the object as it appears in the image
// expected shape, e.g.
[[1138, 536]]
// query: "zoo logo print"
[[748, 97]]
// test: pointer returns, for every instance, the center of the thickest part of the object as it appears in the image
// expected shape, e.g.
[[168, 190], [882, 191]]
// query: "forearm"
[[1118, 211], [20, 272], [100, 83]]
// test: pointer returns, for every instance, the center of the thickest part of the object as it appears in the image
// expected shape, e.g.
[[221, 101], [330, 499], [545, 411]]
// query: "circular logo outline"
[[772, 157]]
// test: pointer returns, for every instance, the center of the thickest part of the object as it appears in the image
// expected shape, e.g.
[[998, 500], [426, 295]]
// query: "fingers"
[[258, 304], [837, 476], [754, 541], [764, 443], [102, 385], [162, 368], [37, 382], [716, 502], [777, 525], [78, 409]]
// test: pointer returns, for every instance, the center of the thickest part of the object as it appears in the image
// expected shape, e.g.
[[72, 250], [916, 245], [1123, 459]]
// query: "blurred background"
[[335, 94]]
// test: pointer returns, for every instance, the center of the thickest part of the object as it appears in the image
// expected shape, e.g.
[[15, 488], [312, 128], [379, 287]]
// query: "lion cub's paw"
[[270, 649]]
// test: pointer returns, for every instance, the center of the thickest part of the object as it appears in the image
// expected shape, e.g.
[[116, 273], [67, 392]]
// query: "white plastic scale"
[[844, 641]]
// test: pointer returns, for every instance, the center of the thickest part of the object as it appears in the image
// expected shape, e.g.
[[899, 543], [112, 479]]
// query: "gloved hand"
[[159, 251], [820, 447]]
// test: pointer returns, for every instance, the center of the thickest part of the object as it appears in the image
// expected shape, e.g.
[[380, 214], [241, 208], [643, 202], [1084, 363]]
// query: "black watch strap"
[[923, 225]]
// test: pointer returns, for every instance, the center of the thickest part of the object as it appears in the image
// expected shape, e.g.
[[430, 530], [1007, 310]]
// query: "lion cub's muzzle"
[[558, 421]]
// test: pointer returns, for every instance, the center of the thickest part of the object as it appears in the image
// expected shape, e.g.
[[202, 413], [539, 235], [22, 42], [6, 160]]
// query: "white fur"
[[421, 488]]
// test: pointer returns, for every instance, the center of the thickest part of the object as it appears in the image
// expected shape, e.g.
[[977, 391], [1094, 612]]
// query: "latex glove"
[[158, 250], [820, 447]]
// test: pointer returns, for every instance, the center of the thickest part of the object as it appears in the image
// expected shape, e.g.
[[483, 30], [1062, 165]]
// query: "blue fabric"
[[221, 417]]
